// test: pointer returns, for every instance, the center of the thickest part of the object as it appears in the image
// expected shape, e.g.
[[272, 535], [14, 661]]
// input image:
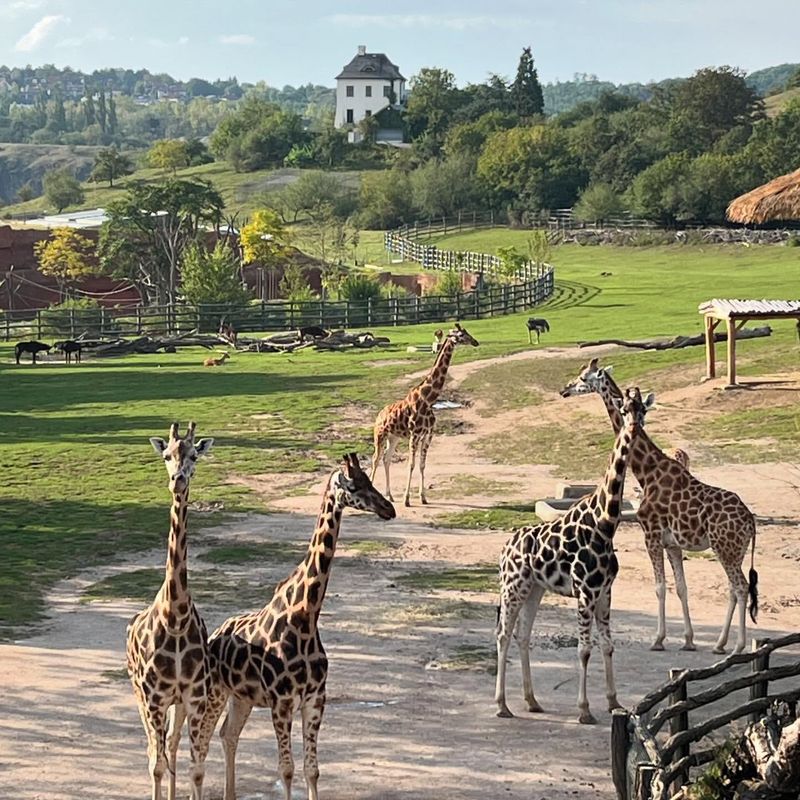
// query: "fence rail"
[[648, 766], [277, 315]]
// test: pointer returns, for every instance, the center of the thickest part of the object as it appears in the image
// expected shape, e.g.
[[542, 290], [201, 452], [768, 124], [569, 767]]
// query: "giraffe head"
[[459, 335], [353, 488], [180, 455], [592, 378], [634, 409]]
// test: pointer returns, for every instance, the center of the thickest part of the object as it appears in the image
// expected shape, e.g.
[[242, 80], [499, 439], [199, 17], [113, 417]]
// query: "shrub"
[[448, 285], [73, 317], [359, 288]]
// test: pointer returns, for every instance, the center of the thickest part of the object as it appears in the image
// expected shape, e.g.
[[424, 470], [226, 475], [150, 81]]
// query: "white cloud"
[[39, 32], [92, 35], [450, 21], [19, 7], [238, 39]]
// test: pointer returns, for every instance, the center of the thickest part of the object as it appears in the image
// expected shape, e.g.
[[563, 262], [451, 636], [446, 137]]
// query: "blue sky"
[[293, 42]]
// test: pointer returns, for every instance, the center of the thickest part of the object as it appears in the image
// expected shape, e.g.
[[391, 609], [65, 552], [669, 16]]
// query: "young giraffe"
[[167, 655], [413, 418], [274, 658], [572, 556], [679, 512]]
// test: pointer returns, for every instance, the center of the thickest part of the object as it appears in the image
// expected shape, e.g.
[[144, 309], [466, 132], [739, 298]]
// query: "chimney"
[[362, 49]]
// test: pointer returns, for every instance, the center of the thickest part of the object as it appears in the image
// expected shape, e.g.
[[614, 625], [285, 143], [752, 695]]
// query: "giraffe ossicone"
[[679, 512], [167, 654], [413, 418], [571, 556]]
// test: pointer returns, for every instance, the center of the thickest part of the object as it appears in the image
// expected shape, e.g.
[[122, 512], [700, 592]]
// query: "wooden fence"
[[648, 764], [491, 301]]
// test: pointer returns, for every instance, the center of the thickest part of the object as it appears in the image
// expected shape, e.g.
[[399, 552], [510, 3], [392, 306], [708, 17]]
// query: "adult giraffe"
[[413, 418], [678, 512]]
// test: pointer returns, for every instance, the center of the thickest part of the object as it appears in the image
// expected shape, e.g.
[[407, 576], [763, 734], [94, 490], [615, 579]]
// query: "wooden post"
[[39, 323], [138, 320], [347, 314], [416, 308], [731, 352], [619, 751], [644, 781], [678, 724], [369, 312], [458, 306], [395, 306], [711, 364], [760, 689]]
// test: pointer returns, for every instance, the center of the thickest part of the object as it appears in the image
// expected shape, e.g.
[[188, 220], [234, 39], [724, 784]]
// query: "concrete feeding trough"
[[568, 494]]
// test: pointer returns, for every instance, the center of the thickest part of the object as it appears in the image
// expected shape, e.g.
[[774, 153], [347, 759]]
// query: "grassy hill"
[[777, 102], [240, 190]]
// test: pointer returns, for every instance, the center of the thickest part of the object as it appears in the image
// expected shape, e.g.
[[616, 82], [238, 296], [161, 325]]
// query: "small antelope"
[[217, 361]]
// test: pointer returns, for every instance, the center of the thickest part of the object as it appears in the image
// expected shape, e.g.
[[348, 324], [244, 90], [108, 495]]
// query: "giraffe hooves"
[[535, 708], [719, 650], [587, 718], [504, 713], [689, 646], [423, 501], [657, 646]]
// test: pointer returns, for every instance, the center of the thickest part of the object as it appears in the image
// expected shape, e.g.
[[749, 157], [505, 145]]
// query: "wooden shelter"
[[777, 200], [735, 313]]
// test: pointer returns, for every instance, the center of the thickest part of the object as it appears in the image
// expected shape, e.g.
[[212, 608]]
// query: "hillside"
[[771, 79], [240, 190], [775, 103], [28, 163]]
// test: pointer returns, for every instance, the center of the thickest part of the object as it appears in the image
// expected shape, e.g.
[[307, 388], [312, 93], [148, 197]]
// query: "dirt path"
[[410, 713]]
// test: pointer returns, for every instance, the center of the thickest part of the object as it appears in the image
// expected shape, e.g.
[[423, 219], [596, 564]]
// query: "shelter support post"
[[711, 364], [731, 324]]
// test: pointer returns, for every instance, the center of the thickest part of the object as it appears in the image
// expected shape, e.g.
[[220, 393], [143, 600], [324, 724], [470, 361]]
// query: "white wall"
[[360, 103]]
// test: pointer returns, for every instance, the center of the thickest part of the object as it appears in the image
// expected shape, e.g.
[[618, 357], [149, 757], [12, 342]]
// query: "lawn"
[[82, 486]]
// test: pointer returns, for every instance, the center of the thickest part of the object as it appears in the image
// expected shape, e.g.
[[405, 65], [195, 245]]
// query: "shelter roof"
[[728, 309]]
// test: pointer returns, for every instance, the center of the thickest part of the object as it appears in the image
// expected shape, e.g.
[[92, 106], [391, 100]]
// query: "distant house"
[[367, 86]]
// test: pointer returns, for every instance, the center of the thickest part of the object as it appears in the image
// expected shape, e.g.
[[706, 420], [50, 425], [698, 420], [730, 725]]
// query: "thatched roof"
[[777, 200]]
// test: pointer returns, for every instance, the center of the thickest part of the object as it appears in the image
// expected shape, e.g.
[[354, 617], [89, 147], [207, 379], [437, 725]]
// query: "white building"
[[367, 85]]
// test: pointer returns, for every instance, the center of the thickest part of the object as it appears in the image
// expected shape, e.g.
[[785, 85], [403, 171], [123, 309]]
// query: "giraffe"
[[167, 654], [274, 658], [413, 418], [678, 512], [572, 556]]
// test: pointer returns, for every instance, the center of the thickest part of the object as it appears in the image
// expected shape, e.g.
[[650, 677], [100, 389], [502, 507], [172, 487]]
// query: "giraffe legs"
[[388, 454], [524, 625], [153, 721], [675, 556], [282, 722], [412, 457], [506, 620], [656, 552], [602, 617], [177, 716], [311, 711], [196, 712], [585, 616], [737, 596], [423, 457], [238, 712]]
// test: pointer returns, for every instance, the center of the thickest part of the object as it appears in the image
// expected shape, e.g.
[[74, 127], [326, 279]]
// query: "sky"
[[300, 42]]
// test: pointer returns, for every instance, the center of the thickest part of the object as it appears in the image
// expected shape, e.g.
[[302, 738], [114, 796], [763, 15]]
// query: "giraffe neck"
[[609, 493], [645, 456], [436, 377], [315, 569], [175, 583]]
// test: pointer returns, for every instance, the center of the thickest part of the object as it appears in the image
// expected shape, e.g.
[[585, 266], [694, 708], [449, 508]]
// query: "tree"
[[598, 202], [294, 286], [384, 199], [150, 227], [315, 192], [329, 146], [445, 187], [368, 128], [112, 114], [526, 91], [168, 154], [657, 192], [89, 111], [478, 99], [468, 138], [102, 111], [110, 164], [65, 255], [264, 239], [775, 143], [62, 189], [26, 192], [434, 97], [794, 80], [212, 276]]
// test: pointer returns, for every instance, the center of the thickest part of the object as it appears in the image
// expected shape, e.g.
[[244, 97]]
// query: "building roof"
[[777, 200], [371, 66], [71, 219], [727, 309]]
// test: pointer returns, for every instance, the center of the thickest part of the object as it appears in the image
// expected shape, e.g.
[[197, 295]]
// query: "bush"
[[448, 285], [598, 202], [359, 288], [73, 317]]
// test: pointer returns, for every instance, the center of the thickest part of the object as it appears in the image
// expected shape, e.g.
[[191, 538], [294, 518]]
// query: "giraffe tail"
[[752, 587]]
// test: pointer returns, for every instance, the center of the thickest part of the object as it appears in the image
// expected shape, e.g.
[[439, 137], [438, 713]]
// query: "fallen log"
[[679, 342]]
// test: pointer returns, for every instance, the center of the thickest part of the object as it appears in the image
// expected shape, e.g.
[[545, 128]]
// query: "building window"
[[368, 91], [349, 91], [387, 91], [350, 119]]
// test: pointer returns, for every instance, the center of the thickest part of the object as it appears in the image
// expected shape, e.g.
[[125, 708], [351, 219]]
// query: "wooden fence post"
[[760, 689], [416, 308], [644, 781], [72, 323], [369, 312], [678, 724], [458, 306], [39, 323], [619, 752], [347, 314], [138, 320], [396, 310]]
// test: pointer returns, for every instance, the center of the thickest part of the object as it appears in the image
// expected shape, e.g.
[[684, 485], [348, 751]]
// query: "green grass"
[[501, 517], [445, 612], [250, 553], [468, 485], [140, 584], [370, 548], [458, 579]]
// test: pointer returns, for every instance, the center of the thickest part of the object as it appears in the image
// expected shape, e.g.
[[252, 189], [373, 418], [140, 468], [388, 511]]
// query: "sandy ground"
[[408, 716]]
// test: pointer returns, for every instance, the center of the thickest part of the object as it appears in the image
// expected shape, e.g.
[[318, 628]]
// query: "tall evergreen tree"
[[102, 113], [112, 113], [58, 117], [526, 91], [88, 108]]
